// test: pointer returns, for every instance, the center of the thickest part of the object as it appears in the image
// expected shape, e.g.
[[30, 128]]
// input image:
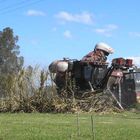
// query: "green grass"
[[35, 126]]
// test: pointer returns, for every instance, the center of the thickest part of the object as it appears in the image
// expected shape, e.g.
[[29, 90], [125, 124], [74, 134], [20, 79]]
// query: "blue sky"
[[53, 29]]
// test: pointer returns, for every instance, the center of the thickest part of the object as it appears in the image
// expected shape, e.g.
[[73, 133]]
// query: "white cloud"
[[107, 30], [134, 34], [35, 13], [54, 29], [85, 18], [67, 34]]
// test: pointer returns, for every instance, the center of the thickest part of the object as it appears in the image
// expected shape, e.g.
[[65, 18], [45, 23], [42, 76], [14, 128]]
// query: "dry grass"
[[29, 91], [32, 90]]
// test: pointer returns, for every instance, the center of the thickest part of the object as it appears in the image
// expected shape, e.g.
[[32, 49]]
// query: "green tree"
[[10, 61]]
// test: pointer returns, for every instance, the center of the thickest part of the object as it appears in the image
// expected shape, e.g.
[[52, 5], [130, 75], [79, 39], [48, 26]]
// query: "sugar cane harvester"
[[92, 73]]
